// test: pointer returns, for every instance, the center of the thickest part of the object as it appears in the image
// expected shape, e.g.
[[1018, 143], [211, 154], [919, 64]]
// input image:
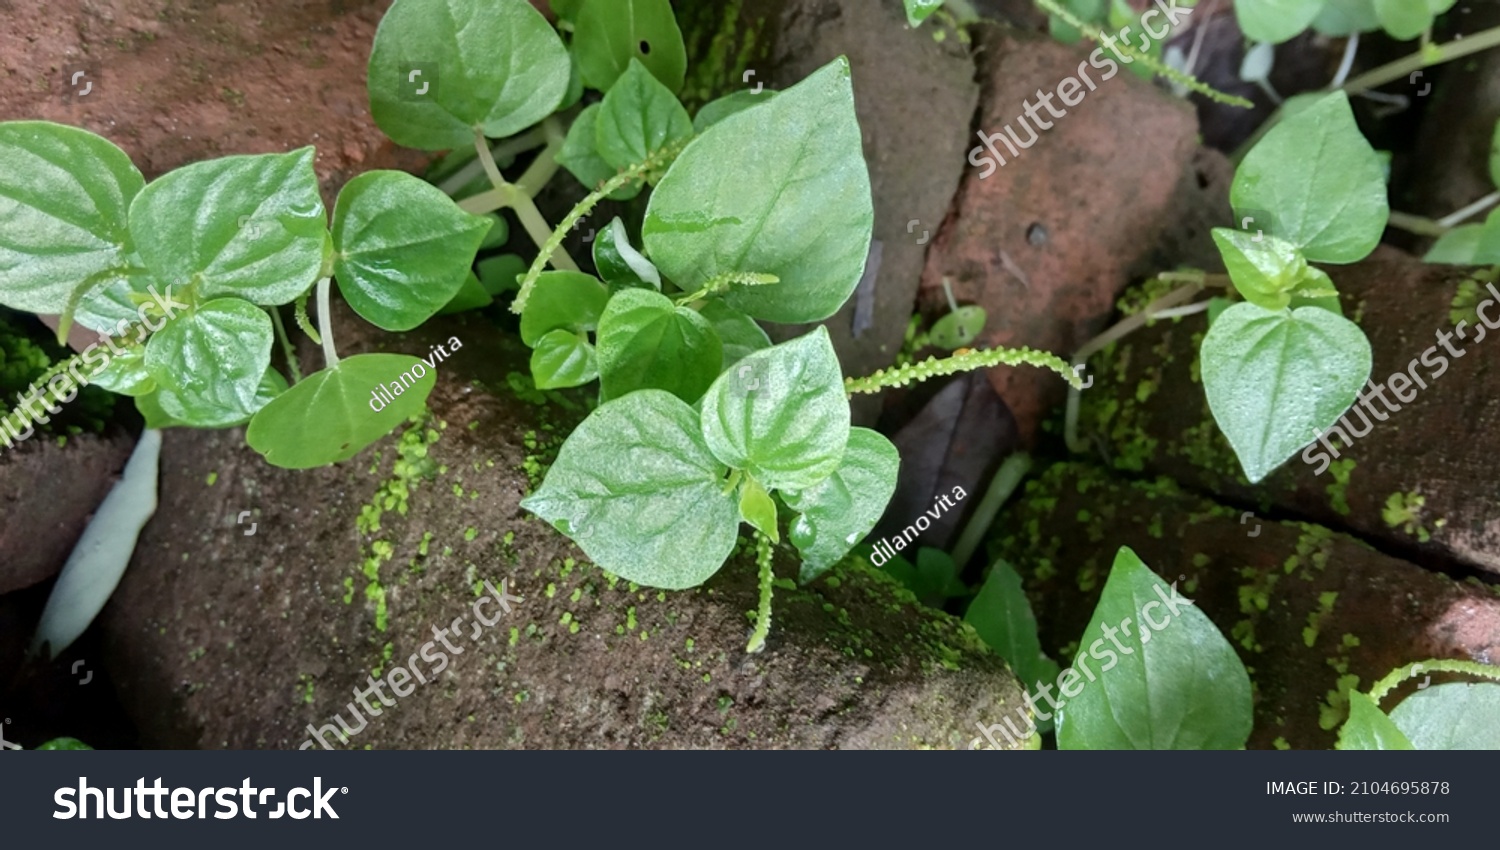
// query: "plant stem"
[[1416, 224], [554, 242], [1001, 486], [514, 146], [325, 323], [286, 345], [1346, 65], [1470, 211], [1403, 68], [542, 169], [1399, 69], [963, 360], [510, 196], [767, 577], [1401, 674], [1121, 329]]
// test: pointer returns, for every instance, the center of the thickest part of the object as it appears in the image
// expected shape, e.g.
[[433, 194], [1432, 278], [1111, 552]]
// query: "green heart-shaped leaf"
[[580, 155], [639, 117], [646, 342], [442, 69], [1320, 178], [608, 35], [1266, 270], [250, 226], [1175, 683], [1469, 244], [635, 487], [758, 509], [959, 328], [208, 364], [64, 200], [333, 415], [1404, 20], [781, 414], [1275, 380], [563, 359], [780, 190], [837, 512], [563, 300], [404, 248]]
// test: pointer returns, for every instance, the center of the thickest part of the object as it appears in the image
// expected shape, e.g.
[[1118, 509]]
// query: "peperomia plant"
[[760, 210], [86, 238], [1281, 366]]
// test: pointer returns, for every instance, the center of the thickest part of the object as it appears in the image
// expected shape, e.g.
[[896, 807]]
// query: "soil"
[[178, 81]]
